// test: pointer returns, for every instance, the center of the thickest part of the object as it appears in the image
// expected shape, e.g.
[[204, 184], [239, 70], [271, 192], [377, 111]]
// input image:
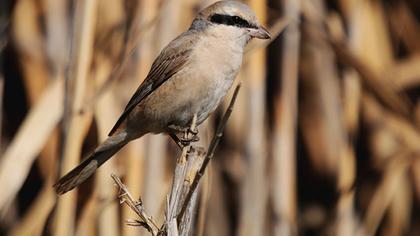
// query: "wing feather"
[[171, 60]]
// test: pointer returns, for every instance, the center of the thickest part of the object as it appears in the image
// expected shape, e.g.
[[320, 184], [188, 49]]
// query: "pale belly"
[[195, 90], [176, 102]]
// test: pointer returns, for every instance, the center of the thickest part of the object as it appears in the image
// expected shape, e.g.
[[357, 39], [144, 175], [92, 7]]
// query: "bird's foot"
[[184, 142], [181, 129], [193, 132], [189, 138], [186, 139]]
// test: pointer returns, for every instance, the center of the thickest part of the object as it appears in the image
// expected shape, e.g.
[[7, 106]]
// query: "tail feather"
[[88, 167]]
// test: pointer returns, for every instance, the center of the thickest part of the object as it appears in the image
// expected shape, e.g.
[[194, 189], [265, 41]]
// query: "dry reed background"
[[324, 138]]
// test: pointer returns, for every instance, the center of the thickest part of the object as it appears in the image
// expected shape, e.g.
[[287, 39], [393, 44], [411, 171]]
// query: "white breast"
[[217, 64]]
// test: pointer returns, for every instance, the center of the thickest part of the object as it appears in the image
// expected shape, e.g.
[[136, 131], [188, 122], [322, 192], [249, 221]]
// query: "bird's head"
[[231, 18]]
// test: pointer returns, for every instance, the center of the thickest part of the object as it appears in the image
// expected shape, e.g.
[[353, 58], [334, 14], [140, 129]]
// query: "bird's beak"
[[260, 33]]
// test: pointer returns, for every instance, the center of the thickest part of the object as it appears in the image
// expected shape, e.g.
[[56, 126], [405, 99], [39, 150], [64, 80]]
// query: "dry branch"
[[253, 152], [386, 91], [21, 152], [78, 123], [137, 206], [284, 134], [210, 152], [131, 40], [178, 179]]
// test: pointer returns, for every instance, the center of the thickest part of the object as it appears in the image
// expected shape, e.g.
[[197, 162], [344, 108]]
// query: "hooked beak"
[[260, 33]]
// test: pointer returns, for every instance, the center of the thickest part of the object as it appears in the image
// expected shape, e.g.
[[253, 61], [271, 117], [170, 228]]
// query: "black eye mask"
[[231, 20]]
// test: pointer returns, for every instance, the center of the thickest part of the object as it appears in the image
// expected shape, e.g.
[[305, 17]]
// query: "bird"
[[187, 80]]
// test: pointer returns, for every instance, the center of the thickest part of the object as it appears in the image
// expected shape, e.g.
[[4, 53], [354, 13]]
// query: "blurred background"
[[324, 138]]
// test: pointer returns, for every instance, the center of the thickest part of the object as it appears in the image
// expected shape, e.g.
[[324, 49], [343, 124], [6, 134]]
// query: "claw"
[[189, 135], [183, 129], [189, 139], [194, 132]]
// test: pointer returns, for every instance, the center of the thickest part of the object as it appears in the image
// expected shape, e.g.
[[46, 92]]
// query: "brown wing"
[[171, 60]]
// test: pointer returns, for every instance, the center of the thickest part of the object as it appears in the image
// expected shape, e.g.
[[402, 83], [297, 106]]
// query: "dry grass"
[[324, 138]]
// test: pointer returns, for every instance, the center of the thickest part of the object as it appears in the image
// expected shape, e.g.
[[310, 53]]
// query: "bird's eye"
[[239, 22], [230, 20]]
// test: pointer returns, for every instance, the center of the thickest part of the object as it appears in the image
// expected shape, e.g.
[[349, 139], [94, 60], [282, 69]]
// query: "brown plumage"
[[189, 77]]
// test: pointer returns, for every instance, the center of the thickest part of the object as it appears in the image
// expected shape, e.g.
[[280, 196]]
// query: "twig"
[[132, 38], [179, 176], [384, 90], [210, 153], [194, 161], [79, 67], [137, 206]]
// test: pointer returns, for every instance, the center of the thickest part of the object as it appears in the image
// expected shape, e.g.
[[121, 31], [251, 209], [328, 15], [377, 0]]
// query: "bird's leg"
[[193, 132], [176, 140], [183, 142], [188, 137]]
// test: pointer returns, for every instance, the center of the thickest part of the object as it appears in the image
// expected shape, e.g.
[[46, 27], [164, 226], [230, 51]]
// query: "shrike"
[[189, 78]]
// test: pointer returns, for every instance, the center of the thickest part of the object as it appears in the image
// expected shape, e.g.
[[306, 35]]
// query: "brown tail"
[[85, 169]]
